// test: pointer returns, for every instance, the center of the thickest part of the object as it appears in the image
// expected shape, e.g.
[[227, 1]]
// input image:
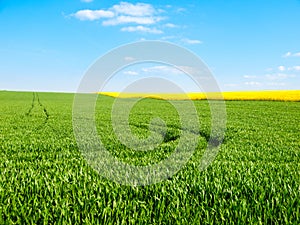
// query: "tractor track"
[[36, 101], [36, 98]]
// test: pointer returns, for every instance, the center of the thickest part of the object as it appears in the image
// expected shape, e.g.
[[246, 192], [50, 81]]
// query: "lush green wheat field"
[[45, 180]]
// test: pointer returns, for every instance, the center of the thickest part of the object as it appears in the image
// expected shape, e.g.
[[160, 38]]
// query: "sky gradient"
[[248, 45]]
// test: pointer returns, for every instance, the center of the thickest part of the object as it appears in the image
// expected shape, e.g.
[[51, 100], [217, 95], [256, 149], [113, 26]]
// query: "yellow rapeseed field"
[[241, 95]]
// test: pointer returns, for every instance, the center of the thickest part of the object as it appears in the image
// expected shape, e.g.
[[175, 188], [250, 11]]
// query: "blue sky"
[[248, 45]]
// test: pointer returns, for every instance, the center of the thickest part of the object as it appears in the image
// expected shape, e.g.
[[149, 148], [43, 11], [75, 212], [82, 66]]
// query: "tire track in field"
[[36, 100], [35, 97], [32, 104], [47, 115]]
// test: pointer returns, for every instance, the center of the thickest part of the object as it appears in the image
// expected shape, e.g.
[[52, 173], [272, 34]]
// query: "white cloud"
[[168, 37], [129, 59], [297, 68], [123, 13], [131, 73], [87, 1], [253, 83], [249, 77], [131, 19], [279, 76], [281, 68], [162, 69], [171, 70], [294, 68], [139, 9], [170, 25], [290, 54], [190, 41], [87, 14], [179, 10], [142, 29]]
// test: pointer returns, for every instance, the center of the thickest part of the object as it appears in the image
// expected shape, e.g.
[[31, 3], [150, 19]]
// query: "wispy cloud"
[[142, 29], [171, 25], [87, 1], [274, 79], [290, 54], [126, 13], [87, 14], [253, 83], [283, 68], [170, 70], [131, 19], [191, 41], [131, 73], [136, 17], [168, 38], [129, 59], [139, 9], [162, 70], [294, 68], [180, 10], [249, 76], [279, 76]]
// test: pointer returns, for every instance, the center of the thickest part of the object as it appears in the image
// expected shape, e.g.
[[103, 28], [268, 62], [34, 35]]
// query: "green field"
[[255, 179]]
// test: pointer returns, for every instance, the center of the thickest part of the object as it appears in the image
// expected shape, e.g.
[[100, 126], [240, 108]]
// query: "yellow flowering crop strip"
[[240, 95]]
